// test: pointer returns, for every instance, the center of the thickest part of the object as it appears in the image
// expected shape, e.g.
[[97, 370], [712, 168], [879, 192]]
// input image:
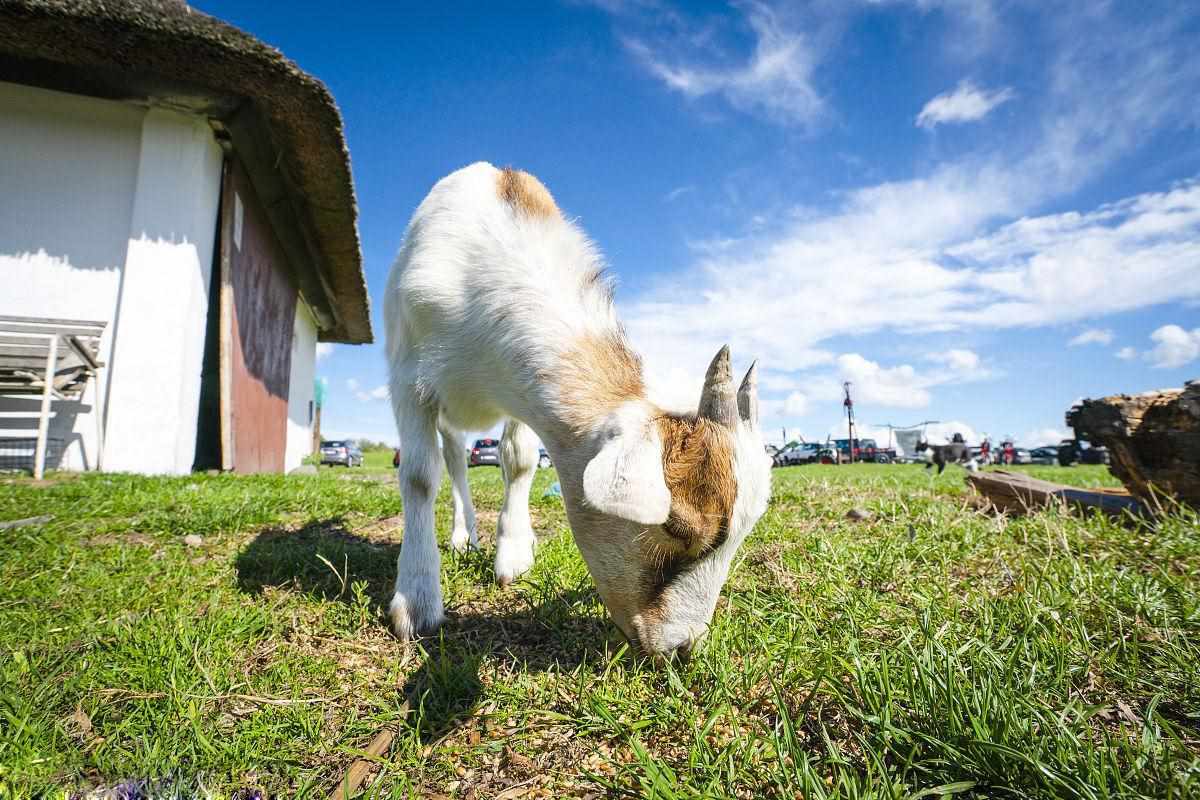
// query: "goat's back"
[[490, 283]]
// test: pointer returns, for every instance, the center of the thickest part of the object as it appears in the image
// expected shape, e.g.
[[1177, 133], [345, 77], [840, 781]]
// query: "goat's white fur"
[[480, 306]]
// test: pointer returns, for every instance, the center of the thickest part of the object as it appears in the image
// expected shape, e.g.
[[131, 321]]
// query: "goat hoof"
[[413, 618], [461, 541]]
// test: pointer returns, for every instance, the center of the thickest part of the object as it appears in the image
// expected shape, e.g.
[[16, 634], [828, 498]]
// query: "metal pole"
[[849, 418], [39, 455]]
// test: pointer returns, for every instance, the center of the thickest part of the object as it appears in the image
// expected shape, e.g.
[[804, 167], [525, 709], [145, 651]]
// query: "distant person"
[[985, 451], [1010, 453]]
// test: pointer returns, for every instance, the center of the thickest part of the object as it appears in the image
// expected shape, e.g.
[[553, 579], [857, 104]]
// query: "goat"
[[942, 454], [497, 308]]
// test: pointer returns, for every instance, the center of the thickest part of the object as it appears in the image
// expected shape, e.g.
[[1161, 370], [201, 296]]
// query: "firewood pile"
[[1153, 440]]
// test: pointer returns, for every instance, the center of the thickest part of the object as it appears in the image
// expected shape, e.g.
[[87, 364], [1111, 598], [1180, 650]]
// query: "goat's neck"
[[587, 382]]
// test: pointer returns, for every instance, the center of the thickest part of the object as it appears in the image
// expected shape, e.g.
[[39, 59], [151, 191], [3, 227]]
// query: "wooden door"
[[258, 310]]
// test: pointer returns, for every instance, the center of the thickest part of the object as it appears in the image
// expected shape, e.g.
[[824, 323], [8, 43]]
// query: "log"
[[1153, 440], [1018, 493]]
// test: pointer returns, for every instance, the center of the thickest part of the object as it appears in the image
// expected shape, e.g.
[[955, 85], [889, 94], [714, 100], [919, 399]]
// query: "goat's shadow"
[[539, 630]]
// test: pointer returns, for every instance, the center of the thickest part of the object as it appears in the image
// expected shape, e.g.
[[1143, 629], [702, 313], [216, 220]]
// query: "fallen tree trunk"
[[1018, 493], [1153, 440]]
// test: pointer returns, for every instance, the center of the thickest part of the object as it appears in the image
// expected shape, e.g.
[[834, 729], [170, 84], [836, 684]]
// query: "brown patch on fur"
[[597, 375], [698, 468], [526, 194]]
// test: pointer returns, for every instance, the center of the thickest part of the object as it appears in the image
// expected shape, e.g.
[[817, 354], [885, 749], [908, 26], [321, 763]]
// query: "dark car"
[[1071, 451], [344, 452], [485, 451], [1043, 455]]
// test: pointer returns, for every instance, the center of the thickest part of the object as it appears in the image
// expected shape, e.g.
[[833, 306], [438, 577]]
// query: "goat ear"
[[625, 478]]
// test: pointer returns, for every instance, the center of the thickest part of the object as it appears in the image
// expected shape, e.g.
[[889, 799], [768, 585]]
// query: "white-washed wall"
[[300, 387], [159, 338], [108, 212], [68, 169]]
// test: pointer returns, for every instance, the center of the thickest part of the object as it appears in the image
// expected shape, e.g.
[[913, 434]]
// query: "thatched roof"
[[282, 122]]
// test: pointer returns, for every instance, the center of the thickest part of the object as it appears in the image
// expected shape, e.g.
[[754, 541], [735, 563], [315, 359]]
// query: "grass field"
[[929, 650]]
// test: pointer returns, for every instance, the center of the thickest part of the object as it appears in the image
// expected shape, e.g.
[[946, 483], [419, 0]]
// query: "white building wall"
[[300, 387], [113, 219], [68, 169], [158, 348]]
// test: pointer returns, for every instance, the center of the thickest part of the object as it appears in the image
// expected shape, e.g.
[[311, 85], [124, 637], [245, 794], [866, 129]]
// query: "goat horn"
[[718, 402], [747, 397]]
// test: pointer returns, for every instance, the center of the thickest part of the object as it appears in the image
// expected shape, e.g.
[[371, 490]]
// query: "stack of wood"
[[1153, 440]]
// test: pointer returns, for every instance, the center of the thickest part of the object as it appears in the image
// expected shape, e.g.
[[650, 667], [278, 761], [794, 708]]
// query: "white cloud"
[[365, 396], [1043, 437], [895, 387], [899, 386], [956, 247], [324, 350], [796, 405], [1174, 347], [1126, 353], [963, 365], [966, 103], [775, 80], [902, 257], [678, 192], [1092, 336], [378, 393]]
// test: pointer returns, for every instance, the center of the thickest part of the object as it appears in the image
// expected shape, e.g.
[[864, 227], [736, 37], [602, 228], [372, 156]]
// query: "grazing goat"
[[942, 454], [497, 308]]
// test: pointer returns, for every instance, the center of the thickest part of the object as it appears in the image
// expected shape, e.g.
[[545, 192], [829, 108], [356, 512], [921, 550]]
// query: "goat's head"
[[667, 501]]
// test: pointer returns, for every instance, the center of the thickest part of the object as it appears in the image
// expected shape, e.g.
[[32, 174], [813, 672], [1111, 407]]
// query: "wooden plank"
[[66, 327], [86, 354], [39, 455], [1019, 493], [83, 323], [35, 361]]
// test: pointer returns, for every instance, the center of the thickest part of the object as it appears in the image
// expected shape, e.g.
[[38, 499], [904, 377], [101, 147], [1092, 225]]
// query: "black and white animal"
[[942, 454]]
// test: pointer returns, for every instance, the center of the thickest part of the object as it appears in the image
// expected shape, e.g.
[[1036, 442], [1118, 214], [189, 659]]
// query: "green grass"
[[930, 650]]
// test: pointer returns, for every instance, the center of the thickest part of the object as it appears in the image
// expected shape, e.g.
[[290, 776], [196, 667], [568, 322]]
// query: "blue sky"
[[977, 212]]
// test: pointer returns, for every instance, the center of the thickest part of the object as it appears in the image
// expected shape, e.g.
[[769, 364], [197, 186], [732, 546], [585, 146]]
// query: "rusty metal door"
[[258, 309]]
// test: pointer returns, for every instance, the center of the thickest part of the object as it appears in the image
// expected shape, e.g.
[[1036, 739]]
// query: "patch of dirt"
[[129, 539], [386, 530]]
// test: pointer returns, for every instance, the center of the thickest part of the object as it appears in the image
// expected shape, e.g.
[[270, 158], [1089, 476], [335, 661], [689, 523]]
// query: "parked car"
[[1071, 451], [344, 452], [1044, 455], [1022, 456], [827, 455], [485, 451], [865, 450], [797, 453], [544, 461]]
